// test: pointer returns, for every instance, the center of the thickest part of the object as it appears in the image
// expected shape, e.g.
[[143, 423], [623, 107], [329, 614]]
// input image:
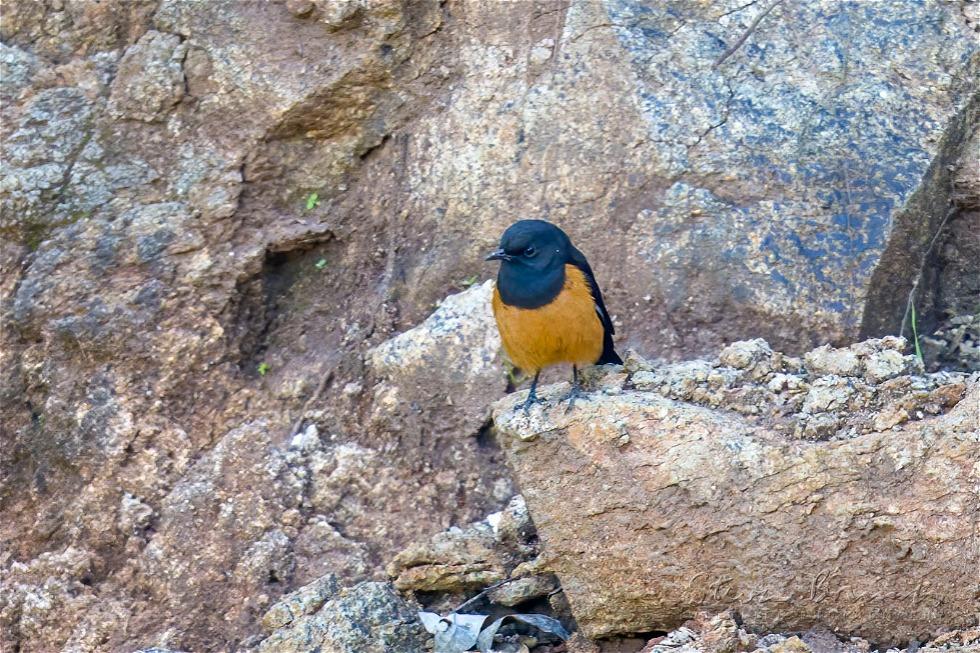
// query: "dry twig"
[[745, 35]]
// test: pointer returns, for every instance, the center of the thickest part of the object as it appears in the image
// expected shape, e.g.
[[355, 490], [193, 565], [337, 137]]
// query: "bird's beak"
[[498, 255]]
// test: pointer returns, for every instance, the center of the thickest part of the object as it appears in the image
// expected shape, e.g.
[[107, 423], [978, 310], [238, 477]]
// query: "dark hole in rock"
[[261, 298], [486, 438]]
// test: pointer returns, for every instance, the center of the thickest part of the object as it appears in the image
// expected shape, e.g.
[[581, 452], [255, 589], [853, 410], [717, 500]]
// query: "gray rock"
[[818, 427], [460, 334], [16, 69], [519, 590], [459, 339], [306, 600], [828, 393], [828, 360], [367, 618], [887, 364], [150, 80], [754, 356]]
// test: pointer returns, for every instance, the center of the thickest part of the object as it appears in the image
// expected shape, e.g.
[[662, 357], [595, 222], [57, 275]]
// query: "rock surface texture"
[[708, 633], [367, 618], [215, 216], [663, 494]]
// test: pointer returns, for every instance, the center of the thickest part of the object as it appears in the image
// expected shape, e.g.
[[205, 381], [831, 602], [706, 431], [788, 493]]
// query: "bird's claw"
[[532, 399], [573, 394]]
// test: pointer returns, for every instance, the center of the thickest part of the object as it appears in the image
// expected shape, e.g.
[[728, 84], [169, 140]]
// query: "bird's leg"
[[575, 392], [532, 397]]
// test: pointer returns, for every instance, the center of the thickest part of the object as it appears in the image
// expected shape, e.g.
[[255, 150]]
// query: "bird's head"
[[532, 246]]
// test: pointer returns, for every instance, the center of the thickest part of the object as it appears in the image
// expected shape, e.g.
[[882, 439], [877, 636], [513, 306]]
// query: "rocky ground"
[[220, 222]]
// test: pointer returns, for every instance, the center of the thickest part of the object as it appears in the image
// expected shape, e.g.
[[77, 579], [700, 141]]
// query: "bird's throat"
[[525, 287]]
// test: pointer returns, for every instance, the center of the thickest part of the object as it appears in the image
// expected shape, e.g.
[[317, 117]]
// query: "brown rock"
[[702, 508], [452, 561], [299, 8], [792, 645]]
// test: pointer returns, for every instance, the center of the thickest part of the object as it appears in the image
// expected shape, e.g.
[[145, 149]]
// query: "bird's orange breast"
[[566, 330]]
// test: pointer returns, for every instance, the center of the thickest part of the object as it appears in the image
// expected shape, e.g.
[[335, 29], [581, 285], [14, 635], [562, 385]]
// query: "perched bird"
[[547, 304]]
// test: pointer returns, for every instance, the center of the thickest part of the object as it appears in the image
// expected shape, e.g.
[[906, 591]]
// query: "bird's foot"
[[575, 393], [532, 398]]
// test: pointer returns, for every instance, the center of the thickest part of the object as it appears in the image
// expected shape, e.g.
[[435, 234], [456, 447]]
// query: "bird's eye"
[[530, 251]]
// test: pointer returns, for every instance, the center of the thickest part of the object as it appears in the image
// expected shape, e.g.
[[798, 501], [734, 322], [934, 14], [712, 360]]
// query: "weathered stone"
[[754, 356], [367, 618], [885, 365], [831, 393], [828, 360], [150, 80], [456, 560], [305, 600], [723, 498], [456, 350], [791, 645], [520, 590]]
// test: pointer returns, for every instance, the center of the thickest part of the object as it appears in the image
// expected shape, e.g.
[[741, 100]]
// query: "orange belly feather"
[[567, 330]]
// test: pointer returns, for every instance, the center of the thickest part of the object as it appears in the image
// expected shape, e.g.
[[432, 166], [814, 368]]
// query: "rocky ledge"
[[835, 490]]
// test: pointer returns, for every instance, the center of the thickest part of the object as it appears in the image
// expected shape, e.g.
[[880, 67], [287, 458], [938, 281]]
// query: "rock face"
[[650, 507], [213, 215]]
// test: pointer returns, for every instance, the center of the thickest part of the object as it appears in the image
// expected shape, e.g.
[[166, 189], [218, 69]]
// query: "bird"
[[548, 306]]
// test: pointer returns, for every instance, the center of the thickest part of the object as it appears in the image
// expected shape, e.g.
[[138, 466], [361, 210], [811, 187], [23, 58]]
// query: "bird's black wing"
[[609, 354]]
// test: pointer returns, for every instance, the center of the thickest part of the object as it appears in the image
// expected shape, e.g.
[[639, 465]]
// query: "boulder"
[[652, 504]]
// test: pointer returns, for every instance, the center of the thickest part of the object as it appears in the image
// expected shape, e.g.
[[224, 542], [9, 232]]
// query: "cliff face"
[[215, 215]]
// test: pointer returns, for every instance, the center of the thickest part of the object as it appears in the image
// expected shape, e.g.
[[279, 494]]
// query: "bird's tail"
[[609, 355]]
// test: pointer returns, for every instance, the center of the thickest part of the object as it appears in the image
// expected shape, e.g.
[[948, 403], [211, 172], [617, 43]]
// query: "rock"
[[831, 393], [513, 525], [457, 560], [306, 600], [791, 645], [337, 13], [822, 426], [827, 360], [299, 8], [578, 643], [885, 365], [175, 172], [466, 561], [520, 590], [967, 640], [150, 80], [754, 356], [609, 515], [367, 618], [719, 633], [452, 358]]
